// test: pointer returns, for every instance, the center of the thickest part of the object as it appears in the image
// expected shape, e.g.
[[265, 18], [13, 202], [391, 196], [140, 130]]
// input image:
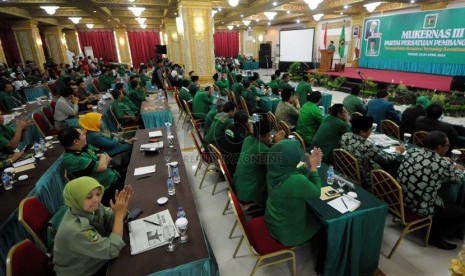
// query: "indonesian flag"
[[325, 36], [357, 46]]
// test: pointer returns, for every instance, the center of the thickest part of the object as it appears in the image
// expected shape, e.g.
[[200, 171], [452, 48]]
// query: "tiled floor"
[[410, 258]]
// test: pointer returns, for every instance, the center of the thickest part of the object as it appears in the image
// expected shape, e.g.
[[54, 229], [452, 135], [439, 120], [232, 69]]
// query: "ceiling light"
[[94, 11], [214, 12], [90, 26], [288, 12], [257, 19], [222, 22], [412, 1], [317, 16], [298, 21], [313, 4], [246, 22], [175, 13], [372, 6], [137, 11], [75, 20], [270, 15], [238, 25], [275, 3], [131, 0], [346, 7], [230, 27], [341, 13], [242, 15], [233, 3], [50, 9], [219, 9], [269, 23], [141, 20]]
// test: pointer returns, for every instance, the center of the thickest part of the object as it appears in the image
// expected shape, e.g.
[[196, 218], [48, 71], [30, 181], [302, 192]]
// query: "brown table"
[[195, 256]]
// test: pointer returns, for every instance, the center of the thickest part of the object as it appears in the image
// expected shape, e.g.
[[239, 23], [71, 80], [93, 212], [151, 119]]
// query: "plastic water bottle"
[[36, 148], [6, 180], [168, 128], [330, 175], [170, 186], [175, 172], [43, 147], [181, 213]]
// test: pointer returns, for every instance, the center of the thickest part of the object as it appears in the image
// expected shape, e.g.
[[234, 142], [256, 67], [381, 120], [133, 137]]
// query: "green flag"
[[342, 39]]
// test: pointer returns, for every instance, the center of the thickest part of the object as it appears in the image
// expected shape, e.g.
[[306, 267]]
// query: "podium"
[[326, 60]]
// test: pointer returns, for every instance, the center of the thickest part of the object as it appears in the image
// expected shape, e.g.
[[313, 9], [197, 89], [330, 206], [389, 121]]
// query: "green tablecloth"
[[353, 239], [250, 65], [326, 99], [32, 93], [155, 118], [270, 102]]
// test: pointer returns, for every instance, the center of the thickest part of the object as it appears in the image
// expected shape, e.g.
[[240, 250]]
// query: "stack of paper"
[[344, 204], [24, 162], [382, 140], [157, 133], [145, 170], [144, 234], [151, 146]]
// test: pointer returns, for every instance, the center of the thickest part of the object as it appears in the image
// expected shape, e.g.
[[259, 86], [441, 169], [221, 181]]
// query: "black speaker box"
[[263, 54], [265, 47], [457, 83], [160, 49], [264, 64]]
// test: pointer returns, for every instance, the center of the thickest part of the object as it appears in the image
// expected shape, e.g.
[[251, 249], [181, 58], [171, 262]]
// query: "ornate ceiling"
[[115, 13]]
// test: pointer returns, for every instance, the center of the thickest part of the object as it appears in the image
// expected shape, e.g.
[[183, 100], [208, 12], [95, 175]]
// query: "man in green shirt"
[[126, 100], [250, 96], [81, 159], [284, 84], [221, 121], [136, 94], [9, 138], [331, 46], [258, 81], [143, 76], [202, 102], [288, 109], [274, 85], [303, 89], [310, 118], [184, 93], [222, 83], [122, 112], [353, 103], [105, 80], [332, 128], [10, 99], [212, 113], [194, 85], [237, 88]]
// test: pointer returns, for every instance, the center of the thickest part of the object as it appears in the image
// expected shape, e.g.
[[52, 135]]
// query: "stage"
[[413, 80]]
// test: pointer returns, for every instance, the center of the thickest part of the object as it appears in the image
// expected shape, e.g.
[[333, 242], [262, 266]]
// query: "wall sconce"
[[121, 41], [317, 16], [270, 15], [90, 26], [75, 20], [253, 40], [260, 38], [179, 25], [174, 36], [198, 25], [230, 27], [50, 9], [233, 3], [246, 22], [137, 11], [39, 41], [165, 37]]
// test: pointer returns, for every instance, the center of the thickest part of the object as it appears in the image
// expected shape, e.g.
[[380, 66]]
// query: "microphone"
[[359, 72]]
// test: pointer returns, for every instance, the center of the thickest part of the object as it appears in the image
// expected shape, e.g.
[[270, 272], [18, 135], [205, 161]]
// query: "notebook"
[[344, 204]]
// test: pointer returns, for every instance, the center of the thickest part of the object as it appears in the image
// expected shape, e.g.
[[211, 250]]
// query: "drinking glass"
[[456, 155], [407, 137], [181, 224], [341, 183], [167, 154], [11, 173], [168, 234]]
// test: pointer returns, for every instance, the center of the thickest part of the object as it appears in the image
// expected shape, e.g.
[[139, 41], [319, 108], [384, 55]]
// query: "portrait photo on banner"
[[373, 46], [372, 28], [355, 31]]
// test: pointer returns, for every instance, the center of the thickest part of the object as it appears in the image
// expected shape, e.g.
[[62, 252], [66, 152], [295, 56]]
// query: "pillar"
[[357, 21], [173, 41], [29, 42], [259, 35], [2, 55], [56, 44], [72, 41], [197, 46], [122, 46]]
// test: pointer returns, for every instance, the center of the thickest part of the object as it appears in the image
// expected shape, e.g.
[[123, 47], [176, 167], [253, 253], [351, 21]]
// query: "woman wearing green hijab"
[[89, 234], [290, 185]]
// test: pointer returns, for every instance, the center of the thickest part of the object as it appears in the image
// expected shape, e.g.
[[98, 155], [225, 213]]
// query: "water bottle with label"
[[175, 172], [43, 147], [170, 186], [168, 128], [181, 213], [36, 148], [330, 175], [6, 180]]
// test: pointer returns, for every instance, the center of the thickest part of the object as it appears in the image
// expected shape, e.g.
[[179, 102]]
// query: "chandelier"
[[313, 4], [270, 15], [50, 9], [372, 6], [317, 16], [137, 11], [233, 3]]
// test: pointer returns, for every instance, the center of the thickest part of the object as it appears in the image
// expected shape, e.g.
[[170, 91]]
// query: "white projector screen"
[[296, 45]]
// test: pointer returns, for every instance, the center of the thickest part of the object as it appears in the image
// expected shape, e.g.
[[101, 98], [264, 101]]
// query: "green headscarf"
[[283, 160], [423, 101], [76, 190]]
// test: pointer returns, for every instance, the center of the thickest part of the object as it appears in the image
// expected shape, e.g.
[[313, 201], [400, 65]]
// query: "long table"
[[192, 258], [353, 239], [271, 102], [154, 116]]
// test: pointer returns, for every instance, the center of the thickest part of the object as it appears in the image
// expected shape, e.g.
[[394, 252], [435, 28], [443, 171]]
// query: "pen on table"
[[145, 176], [344, 202], [151, 222]]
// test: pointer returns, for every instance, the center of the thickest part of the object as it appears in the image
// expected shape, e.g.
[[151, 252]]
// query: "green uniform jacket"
[[302, 89], [201, 104], [250, 176], [6, 133], [309, 121], [193, 89], [285, 85], [286, 214], [143, 79], [354, 104], [222, 84], [120, 109], [260, 83], [216, 131], [11, 100], [274, 85], [84, 242], [127, 101], [137, 97], [209, 119], [237, 90], [85, 163], [184, 94], [250, 98], [105, 82], [329, 135]]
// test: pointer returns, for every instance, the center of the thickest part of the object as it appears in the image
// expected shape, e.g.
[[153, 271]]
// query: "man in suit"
[[372, 31], [381, 109]]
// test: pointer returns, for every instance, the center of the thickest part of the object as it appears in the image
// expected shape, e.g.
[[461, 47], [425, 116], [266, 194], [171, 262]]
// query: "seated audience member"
[[20, 82], [381, 109], [284, 83], [250, 96], [143, 76], [221, 121], [233, 138], [258, 81], [353, 103], [184, 93], [411, 114], [136, 94], [303, 89], [84, 103], [8, 98], [421, 175], [91, 125], [194, 86], [126, 100], [274, 84], [67, 106], [310, 118], [237, 88], [357, 144], [331, 130], [212, 113], [81, 159], [431, 122], [287, 110], [82, 89], [250, 176], [122, 112], [106, 79], [202, 102], [89, 234], [9, 138], [222, 83]]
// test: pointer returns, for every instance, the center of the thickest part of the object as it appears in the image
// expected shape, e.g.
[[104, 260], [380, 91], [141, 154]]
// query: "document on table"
[[344, 204], [157, 133], [151, 146], [24, 168], [144, 235], [24, 162], [145, 170], [382, 140]]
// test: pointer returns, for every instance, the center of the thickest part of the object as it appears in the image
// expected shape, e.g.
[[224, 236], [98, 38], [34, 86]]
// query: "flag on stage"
[[325, 36], [342, 39], [357, 46]]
